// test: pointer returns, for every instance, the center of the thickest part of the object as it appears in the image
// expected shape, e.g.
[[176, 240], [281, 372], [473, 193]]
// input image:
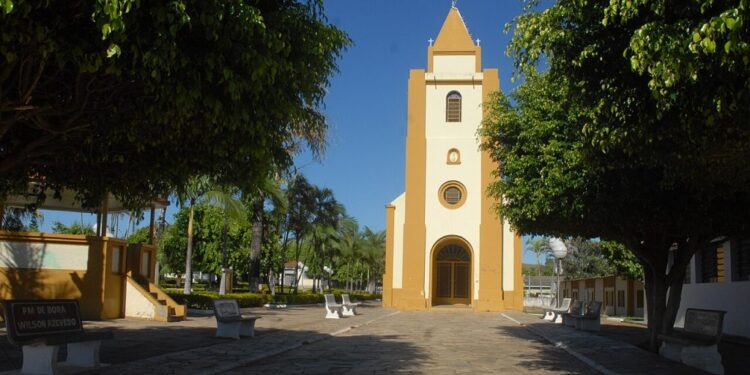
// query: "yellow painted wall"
[[99, 289]]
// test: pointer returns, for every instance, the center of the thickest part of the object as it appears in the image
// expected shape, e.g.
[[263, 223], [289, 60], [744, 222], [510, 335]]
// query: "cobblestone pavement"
[[427, 343], [298, 340]]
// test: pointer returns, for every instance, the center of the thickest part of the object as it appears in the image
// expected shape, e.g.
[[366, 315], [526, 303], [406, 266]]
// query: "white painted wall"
[[730, 296], [621, 284], [441, 137], [508, 258], [43, 255], [399, 217], [137, 305], [454, 64]]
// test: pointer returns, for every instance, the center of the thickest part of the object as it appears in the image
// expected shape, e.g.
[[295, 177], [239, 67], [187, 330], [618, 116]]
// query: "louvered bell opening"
[[453, 108], [452, 195]]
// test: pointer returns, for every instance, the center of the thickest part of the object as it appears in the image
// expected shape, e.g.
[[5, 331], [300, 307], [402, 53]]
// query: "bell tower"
[[445, 244]]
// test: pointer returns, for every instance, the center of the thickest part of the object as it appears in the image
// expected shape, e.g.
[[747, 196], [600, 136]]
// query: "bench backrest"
[[704, 322], [27, 320], [330, 299], [577, 307], [226, 308], [594, 309], [565, 303], [345, 299]]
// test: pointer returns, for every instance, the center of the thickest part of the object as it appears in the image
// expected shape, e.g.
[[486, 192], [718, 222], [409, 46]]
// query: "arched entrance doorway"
[[451, 274]]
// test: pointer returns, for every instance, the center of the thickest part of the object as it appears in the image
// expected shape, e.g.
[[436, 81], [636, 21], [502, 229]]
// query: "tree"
[[75, 228], [373, 256], [327, 213], [539, 247], [350, 243], [105, 96], [190, 193], [586, 259], [269, 190], [299, 216], [230, 202], [630, 125], [209, 234]]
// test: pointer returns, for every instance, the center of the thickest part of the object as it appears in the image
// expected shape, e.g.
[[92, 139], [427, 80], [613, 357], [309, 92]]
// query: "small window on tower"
[[453, 107]]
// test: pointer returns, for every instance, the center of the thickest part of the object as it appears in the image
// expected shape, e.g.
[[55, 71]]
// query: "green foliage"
[[136, 97], [586, 259], [622, 260], [630, 125], [139, 236], [203, 300], [207, 241], [75, 228]]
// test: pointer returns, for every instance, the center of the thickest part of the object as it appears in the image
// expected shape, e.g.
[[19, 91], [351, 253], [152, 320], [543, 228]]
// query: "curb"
[[559, 344]]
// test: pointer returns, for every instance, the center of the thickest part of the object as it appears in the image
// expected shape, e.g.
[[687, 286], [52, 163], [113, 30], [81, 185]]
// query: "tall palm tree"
[[301, 197], [326, 219], [538, 246], [190, 194], [373, 254], [269, 190], [349, 246]]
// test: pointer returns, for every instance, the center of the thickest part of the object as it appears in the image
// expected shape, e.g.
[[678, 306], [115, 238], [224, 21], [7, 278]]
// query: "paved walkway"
[[603, 354], [299, 340]]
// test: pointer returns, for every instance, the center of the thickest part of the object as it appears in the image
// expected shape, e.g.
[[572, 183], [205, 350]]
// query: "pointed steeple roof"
[[454, 36]]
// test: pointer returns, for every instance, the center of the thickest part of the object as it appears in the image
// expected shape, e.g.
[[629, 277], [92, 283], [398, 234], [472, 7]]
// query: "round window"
[[452, 194]]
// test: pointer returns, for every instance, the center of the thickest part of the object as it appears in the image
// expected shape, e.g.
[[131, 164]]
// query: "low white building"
[[718, 278]]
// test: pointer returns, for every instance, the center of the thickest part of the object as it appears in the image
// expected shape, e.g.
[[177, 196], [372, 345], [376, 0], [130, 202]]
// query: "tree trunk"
[[189, 254], [224, 258], [297, 276], [255, 247], [656, 295], [271, 282]]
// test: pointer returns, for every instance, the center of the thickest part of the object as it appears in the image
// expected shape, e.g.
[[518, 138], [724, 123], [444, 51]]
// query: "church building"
[[445, 244]]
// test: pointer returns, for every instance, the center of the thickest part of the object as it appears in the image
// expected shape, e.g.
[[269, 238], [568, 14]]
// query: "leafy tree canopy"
[[135, 97], [630, 125], [75, 228], [208, 241]]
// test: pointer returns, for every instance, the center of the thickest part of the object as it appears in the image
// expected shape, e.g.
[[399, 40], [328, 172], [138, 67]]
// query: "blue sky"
[[366, 102]]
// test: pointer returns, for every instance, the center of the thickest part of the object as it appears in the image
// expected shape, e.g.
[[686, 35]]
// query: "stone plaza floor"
[[298, 340]]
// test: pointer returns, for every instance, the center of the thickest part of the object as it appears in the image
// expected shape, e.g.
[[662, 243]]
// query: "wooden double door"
[[452, 276]]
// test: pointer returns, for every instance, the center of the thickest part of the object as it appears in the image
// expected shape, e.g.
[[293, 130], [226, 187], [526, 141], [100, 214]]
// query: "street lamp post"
[[559, 251]]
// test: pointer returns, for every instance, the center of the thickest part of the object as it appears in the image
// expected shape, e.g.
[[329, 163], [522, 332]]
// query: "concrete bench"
[[333, 309], [348, 308], [697, 344], [230, 323], [589, 319], [554, 314], [575, 308], [40, 327]]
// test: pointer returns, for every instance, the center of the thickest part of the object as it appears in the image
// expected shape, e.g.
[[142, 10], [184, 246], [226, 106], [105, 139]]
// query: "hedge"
[[203, 299]]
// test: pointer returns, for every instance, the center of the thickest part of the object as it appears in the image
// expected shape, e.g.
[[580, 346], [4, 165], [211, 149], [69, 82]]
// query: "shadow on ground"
[[548, 357]]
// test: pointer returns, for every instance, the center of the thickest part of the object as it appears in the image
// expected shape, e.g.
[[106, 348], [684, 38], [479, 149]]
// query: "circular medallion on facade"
[[452, 194]]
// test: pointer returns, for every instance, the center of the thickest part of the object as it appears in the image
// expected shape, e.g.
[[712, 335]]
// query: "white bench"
[[697, 344], [333, 309], [230, 323], [575, 308], [40, 327], [589, 319], [554, 314], [349, 308]]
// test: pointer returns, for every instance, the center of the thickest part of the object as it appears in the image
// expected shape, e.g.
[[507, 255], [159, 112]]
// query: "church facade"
[[445, 244]]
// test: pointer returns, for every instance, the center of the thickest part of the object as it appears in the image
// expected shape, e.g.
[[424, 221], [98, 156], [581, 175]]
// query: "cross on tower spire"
[[453, 5]]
